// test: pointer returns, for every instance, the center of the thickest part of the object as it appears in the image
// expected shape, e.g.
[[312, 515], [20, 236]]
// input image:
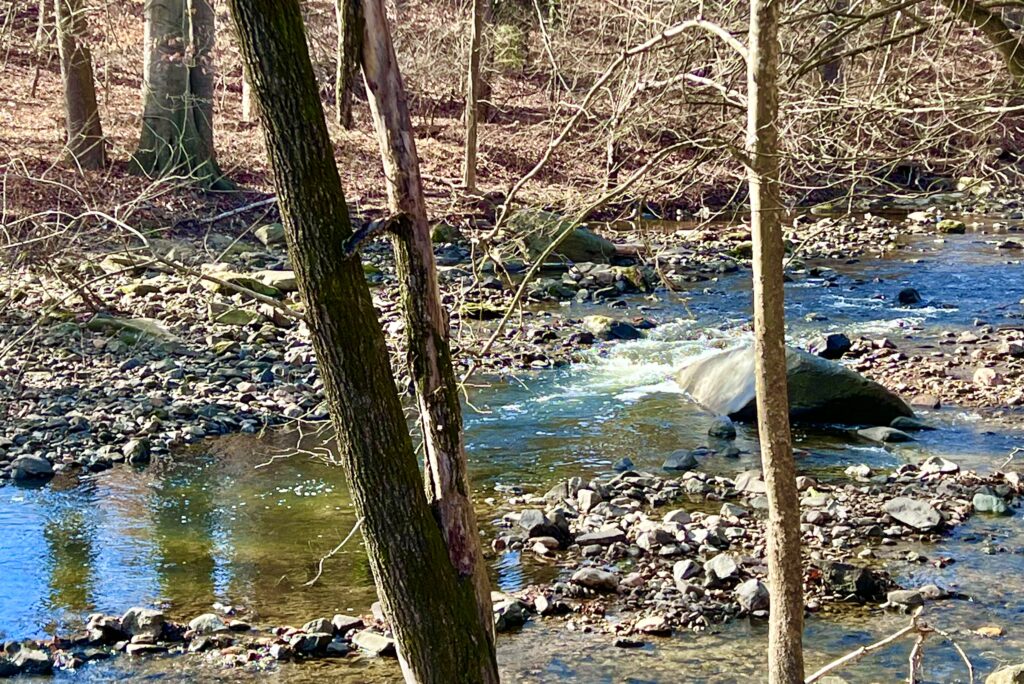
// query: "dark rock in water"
[[908, 297], [851, 580], [623, 642], [623, 464], [832, 346], [884, 434], [536, 524], [315, 642], [820, 391], [509, 614], [28, 468], [722, 428], [32, 661], [913, 513], [607, 328], [680, 460]]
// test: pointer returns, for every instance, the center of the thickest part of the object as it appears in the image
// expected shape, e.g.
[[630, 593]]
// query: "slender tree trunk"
[[177, 118], [350, 32], [785, 574], [832, 70], [445, 469], [248, 100], [472, 111], [435, 620], [85, 146], [1002, 38]]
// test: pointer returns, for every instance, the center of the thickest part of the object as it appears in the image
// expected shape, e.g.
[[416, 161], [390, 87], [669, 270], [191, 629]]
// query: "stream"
[[211, 527]]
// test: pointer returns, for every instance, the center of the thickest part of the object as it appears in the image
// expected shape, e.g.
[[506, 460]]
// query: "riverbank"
[[145, 356]]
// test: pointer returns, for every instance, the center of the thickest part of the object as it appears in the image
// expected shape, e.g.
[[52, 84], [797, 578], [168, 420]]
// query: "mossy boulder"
[[444, 233], [952, 227], [533, 230]]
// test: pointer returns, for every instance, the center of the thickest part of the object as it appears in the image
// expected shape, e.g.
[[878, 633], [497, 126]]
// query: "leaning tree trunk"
[[447, 482], [84, 147], [473, 89], [177, 117], [1002, 38], [785, 575], [434, 618], [346, 66]]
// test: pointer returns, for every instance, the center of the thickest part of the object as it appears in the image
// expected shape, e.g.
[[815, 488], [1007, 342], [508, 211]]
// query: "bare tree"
[[178, 84], [426, 585], [1002, 38], [445, 465], [346, 67], [473, 90], [785, 574], [85, 146]]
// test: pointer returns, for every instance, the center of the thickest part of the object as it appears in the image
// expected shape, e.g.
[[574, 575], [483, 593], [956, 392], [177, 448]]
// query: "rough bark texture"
[[85, 146], [445, 470], [785, 629], [349, 51], [177, 117], [998, 33], [435, 620], [473, 86]]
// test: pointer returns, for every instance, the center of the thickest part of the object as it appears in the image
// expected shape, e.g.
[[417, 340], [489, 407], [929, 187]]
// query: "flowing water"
[[212, 527]]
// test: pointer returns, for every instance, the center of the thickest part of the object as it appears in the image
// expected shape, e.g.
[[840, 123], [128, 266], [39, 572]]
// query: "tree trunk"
[[248, 100], [832, 70], [434, 619], [445, 470], [177, 117], [85, 147], [350, 32], [1002, 38], [472, 111], [785, 575]]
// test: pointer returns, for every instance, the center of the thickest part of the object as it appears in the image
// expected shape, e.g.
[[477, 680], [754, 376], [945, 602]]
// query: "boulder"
[[820, 391], [374, 643], [143, 621], [1007, 675], [885, 435], [30, 467], [951, 227], [919, 515], [987, 502], [207, 623], [270, 234], [534, 230], [833, 346], [908, 296], [680, 460], [752, 596], [596, 579], [851, 580], [722, 428], [607, 328]]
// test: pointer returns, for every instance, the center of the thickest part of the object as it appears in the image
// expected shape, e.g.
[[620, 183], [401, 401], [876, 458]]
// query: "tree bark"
[[434, 619], [85, 146], [350, 32], [248, 100], [445, 465], [177, 118], [832, 70], [472, 111], [1002, 38], [785, 574]]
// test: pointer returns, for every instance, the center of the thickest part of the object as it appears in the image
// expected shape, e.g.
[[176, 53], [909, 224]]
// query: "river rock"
[[951, 227], [913, 513], [819, 390], [850, 580], [885, 435], [938, 465], [208, 623], [608, 328], [1007, 675], [32, 661], [270, 234], [143, 622], [509, 613], [750, 482], [905, 599], [655, 625], [586, 499], [533, 230], [908, 296], [319, 625], [136, 451], [374, 643], [680, 460], [31, 467], [753, 596], [722, 428], [986, 502], [342, 624], [314, 642], [833, 346], [596, 579], [721, 568], [907, 424], [605, 537]]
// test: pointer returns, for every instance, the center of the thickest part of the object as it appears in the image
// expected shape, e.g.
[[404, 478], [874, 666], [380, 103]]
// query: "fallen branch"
[[239, 210], [854, 656], [336, 549]]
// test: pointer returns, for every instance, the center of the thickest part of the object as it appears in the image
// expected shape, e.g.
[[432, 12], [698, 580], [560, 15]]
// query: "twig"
[[336, 549], [239, 210], [856, 655]]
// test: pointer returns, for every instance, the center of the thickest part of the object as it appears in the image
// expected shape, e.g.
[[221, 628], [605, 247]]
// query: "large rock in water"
[[534, 230], [820, 391]]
